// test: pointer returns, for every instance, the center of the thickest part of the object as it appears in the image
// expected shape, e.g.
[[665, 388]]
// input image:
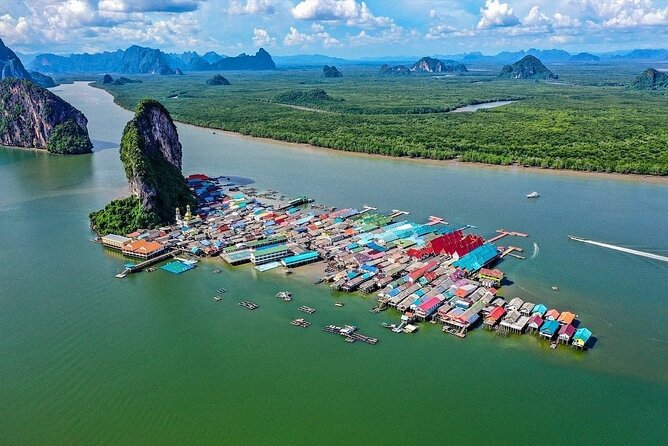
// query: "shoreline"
[[648, 179]]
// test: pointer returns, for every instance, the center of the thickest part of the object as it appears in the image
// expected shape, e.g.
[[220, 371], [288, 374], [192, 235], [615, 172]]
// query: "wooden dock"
[[509, 250], [146, 263], [503, 233]]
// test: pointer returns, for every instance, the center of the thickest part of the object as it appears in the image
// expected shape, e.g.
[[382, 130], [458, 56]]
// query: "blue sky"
[[346, 28]]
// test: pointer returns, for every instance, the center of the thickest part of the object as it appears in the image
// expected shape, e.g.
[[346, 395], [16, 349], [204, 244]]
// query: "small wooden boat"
[[217, 298], [338, 304]]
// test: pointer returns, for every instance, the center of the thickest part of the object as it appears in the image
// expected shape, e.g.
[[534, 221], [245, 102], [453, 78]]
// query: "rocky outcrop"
[[431, 65], [260, 61], [400, 70], [42, 80], [332, 71], [651, 79], [218, 80], [10, 64], [11, 67], [151, 155], [529, 67], [31, 116]]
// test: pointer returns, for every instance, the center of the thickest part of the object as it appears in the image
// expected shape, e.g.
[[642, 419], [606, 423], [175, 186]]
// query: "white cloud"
[[535, 18], [149, 5], [496, 14], [296, 38], [350, 11], [394, 33], [238, 7], [262, 38]]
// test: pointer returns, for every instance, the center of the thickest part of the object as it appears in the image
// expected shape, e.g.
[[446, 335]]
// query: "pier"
[[350, 333], [146, 263], [503, 233]]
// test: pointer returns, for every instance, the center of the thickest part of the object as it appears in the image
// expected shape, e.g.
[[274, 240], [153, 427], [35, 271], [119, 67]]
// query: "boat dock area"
[[428, 272], [350, 333]]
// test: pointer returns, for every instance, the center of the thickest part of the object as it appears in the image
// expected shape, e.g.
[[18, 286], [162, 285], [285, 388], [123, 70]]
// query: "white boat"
[[533, 194]]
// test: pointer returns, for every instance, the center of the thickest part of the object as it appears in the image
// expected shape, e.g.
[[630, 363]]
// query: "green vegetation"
[[651, 79], [316, 96], [122, 216], [529, 67], [149, 168], [68, 138], [149, 146], [589, 121]]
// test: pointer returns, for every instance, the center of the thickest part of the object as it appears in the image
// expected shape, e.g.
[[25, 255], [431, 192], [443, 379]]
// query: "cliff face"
[[10, 64], [11, 67], [30, 116], [151, 155], [431, 65]]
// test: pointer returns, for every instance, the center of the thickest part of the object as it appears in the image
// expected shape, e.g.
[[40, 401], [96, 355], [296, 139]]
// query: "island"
[[217, 80], [33, 117], [332, 71], [151, 155], [651, 79], [431, 65], [529, 67]]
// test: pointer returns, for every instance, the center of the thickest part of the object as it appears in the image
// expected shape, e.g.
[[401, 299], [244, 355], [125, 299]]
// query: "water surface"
[[86, 358]]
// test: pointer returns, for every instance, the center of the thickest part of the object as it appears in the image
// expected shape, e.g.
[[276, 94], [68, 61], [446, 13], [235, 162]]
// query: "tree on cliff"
[[151, 156]]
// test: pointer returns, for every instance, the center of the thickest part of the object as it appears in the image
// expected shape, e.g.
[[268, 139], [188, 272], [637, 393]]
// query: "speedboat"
[[533, 194]]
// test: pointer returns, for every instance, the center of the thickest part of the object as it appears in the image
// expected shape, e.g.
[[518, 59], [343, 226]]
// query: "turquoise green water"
[[86, 358]]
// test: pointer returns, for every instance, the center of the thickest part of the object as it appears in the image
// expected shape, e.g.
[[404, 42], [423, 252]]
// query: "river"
[[87, 358]]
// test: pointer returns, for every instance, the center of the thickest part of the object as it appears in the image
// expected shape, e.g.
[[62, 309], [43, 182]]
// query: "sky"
[[344, 28]]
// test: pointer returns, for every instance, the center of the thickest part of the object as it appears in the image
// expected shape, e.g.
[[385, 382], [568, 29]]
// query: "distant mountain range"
[[141, 60], [12, 67]]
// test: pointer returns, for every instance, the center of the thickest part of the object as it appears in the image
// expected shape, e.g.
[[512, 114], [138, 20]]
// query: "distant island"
[[33, 117], [584, 57], [218, 80], [529, 67], [400, 70], [651, 79], [151, 156], [431, 65], [332, 71], [142, 60], [108, 79]]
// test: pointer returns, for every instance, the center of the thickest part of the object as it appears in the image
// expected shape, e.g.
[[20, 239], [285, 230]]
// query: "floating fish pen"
[[307, 310], [301, 323], [350, 333], [221, 290], [249, 305]]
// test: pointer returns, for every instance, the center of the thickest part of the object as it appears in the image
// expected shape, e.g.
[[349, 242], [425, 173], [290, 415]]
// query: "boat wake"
[[648, 255], [536, 250]]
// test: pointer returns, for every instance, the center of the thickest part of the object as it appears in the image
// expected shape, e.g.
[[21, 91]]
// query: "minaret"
[[178, 217], [189, 214]]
